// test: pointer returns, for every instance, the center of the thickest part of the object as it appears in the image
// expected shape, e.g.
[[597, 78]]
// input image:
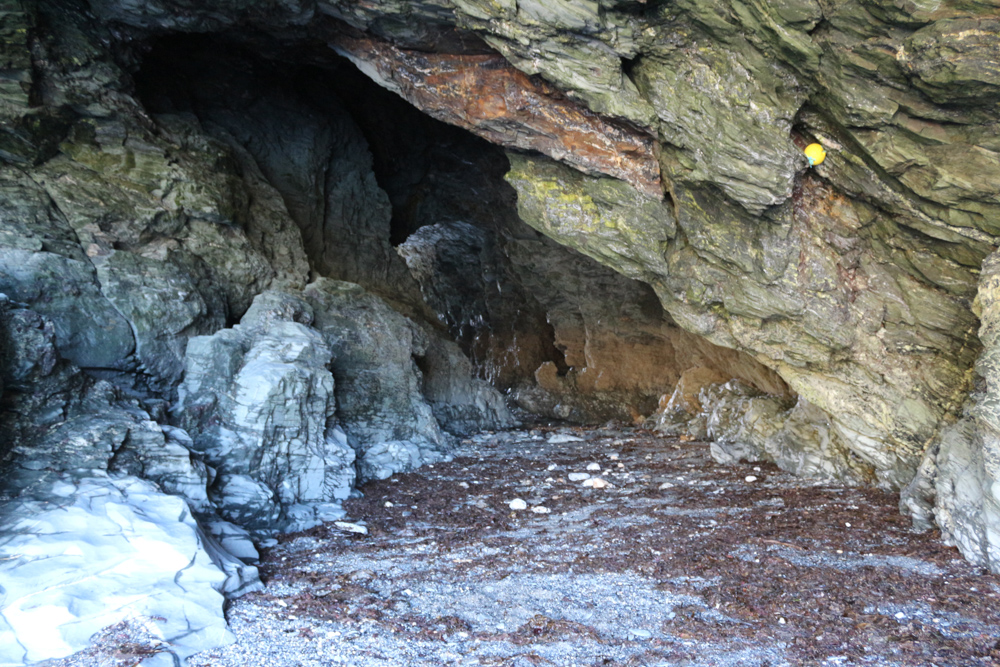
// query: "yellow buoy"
[[816, 154]]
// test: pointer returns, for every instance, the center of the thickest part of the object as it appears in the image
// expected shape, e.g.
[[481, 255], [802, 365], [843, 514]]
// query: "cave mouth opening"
[[418, 212]]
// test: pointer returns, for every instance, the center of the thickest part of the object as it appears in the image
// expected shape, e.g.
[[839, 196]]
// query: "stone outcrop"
[[486, 95], [808, 294], [85, 542], [258, 402]]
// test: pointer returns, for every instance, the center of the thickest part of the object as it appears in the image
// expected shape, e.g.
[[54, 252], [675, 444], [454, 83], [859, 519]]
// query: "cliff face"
[[620, 208]]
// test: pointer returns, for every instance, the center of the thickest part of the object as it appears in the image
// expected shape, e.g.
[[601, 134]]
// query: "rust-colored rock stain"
[[489, 97]]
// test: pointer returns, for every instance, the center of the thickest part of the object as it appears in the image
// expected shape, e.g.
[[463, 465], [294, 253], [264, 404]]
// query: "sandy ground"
[[678, 561]]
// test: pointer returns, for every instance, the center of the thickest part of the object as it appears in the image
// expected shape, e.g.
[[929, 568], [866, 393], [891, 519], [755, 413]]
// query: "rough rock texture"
[[130, 238], [957, 487], [379, 387], [621, 351], [813, 293], [462, 403], [296, 130], [746, 425], [258, 402], [83, 542], [486, 95]]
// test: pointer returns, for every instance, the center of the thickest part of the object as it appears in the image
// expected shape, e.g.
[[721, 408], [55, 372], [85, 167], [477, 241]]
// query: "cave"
[[541, 300]]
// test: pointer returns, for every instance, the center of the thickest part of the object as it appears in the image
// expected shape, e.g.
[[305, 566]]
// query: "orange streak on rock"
[[487, 96]]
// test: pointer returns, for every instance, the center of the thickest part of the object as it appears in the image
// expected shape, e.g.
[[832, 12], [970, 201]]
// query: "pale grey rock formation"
[[958, 485], [258, 401], [83, 542], [94, 550], [462, 403]]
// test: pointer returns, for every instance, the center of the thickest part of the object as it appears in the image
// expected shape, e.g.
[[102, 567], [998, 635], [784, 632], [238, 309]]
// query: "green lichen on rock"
[[815, 291]]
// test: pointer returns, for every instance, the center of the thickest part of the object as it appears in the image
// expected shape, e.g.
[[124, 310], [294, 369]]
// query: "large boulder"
[[258, 401]]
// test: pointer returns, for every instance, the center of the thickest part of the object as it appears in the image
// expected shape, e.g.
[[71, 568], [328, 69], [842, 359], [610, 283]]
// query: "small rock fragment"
[[464, 485], [593, 466], [349, 527], [751, 478], [595, 483], [388, 504], [552, 466], [578, 476], [639, 633], [540, 509], [517, 504], [559, 438], [666, 485]]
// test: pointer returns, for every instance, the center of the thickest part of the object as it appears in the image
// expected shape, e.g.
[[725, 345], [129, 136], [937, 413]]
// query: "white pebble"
[[593, 466], [388, 504], [613, 457], [751, 478], [578, 476], [539, 509], [464, 485], [900, 614], [595, 483], [847, 523], [781, 620], [552, 466], [666, 485], [517, 504]]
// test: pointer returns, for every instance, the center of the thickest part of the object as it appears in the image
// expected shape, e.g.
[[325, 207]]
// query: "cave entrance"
[[418, 212]]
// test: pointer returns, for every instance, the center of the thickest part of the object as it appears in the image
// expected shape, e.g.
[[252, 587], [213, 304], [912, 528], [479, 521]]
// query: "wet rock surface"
[[677, 561]]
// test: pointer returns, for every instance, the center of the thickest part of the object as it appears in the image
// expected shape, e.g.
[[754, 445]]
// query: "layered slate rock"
[[258, 401], [816, 292], [489, 97], [83, 542]]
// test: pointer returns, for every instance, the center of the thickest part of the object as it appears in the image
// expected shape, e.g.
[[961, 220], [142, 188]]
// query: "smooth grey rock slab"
[[95, 550]]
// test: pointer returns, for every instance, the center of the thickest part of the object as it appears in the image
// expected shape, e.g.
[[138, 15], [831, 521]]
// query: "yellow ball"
[[816, 154]]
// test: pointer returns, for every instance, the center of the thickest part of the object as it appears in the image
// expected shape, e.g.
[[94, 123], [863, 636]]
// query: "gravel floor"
[[677, 561]]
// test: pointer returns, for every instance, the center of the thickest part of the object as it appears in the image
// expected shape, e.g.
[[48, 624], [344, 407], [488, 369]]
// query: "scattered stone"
[[578, 476], [517, 504], [638, 633], [560, 438], [751, 478], [596, 483], [666, 485], [349, 527], [594, 466], [464, 485], [540, 509]]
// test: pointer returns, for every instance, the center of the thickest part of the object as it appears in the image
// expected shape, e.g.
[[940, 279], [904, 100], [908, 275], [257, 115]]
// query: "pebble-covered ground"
[[630, 549]]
